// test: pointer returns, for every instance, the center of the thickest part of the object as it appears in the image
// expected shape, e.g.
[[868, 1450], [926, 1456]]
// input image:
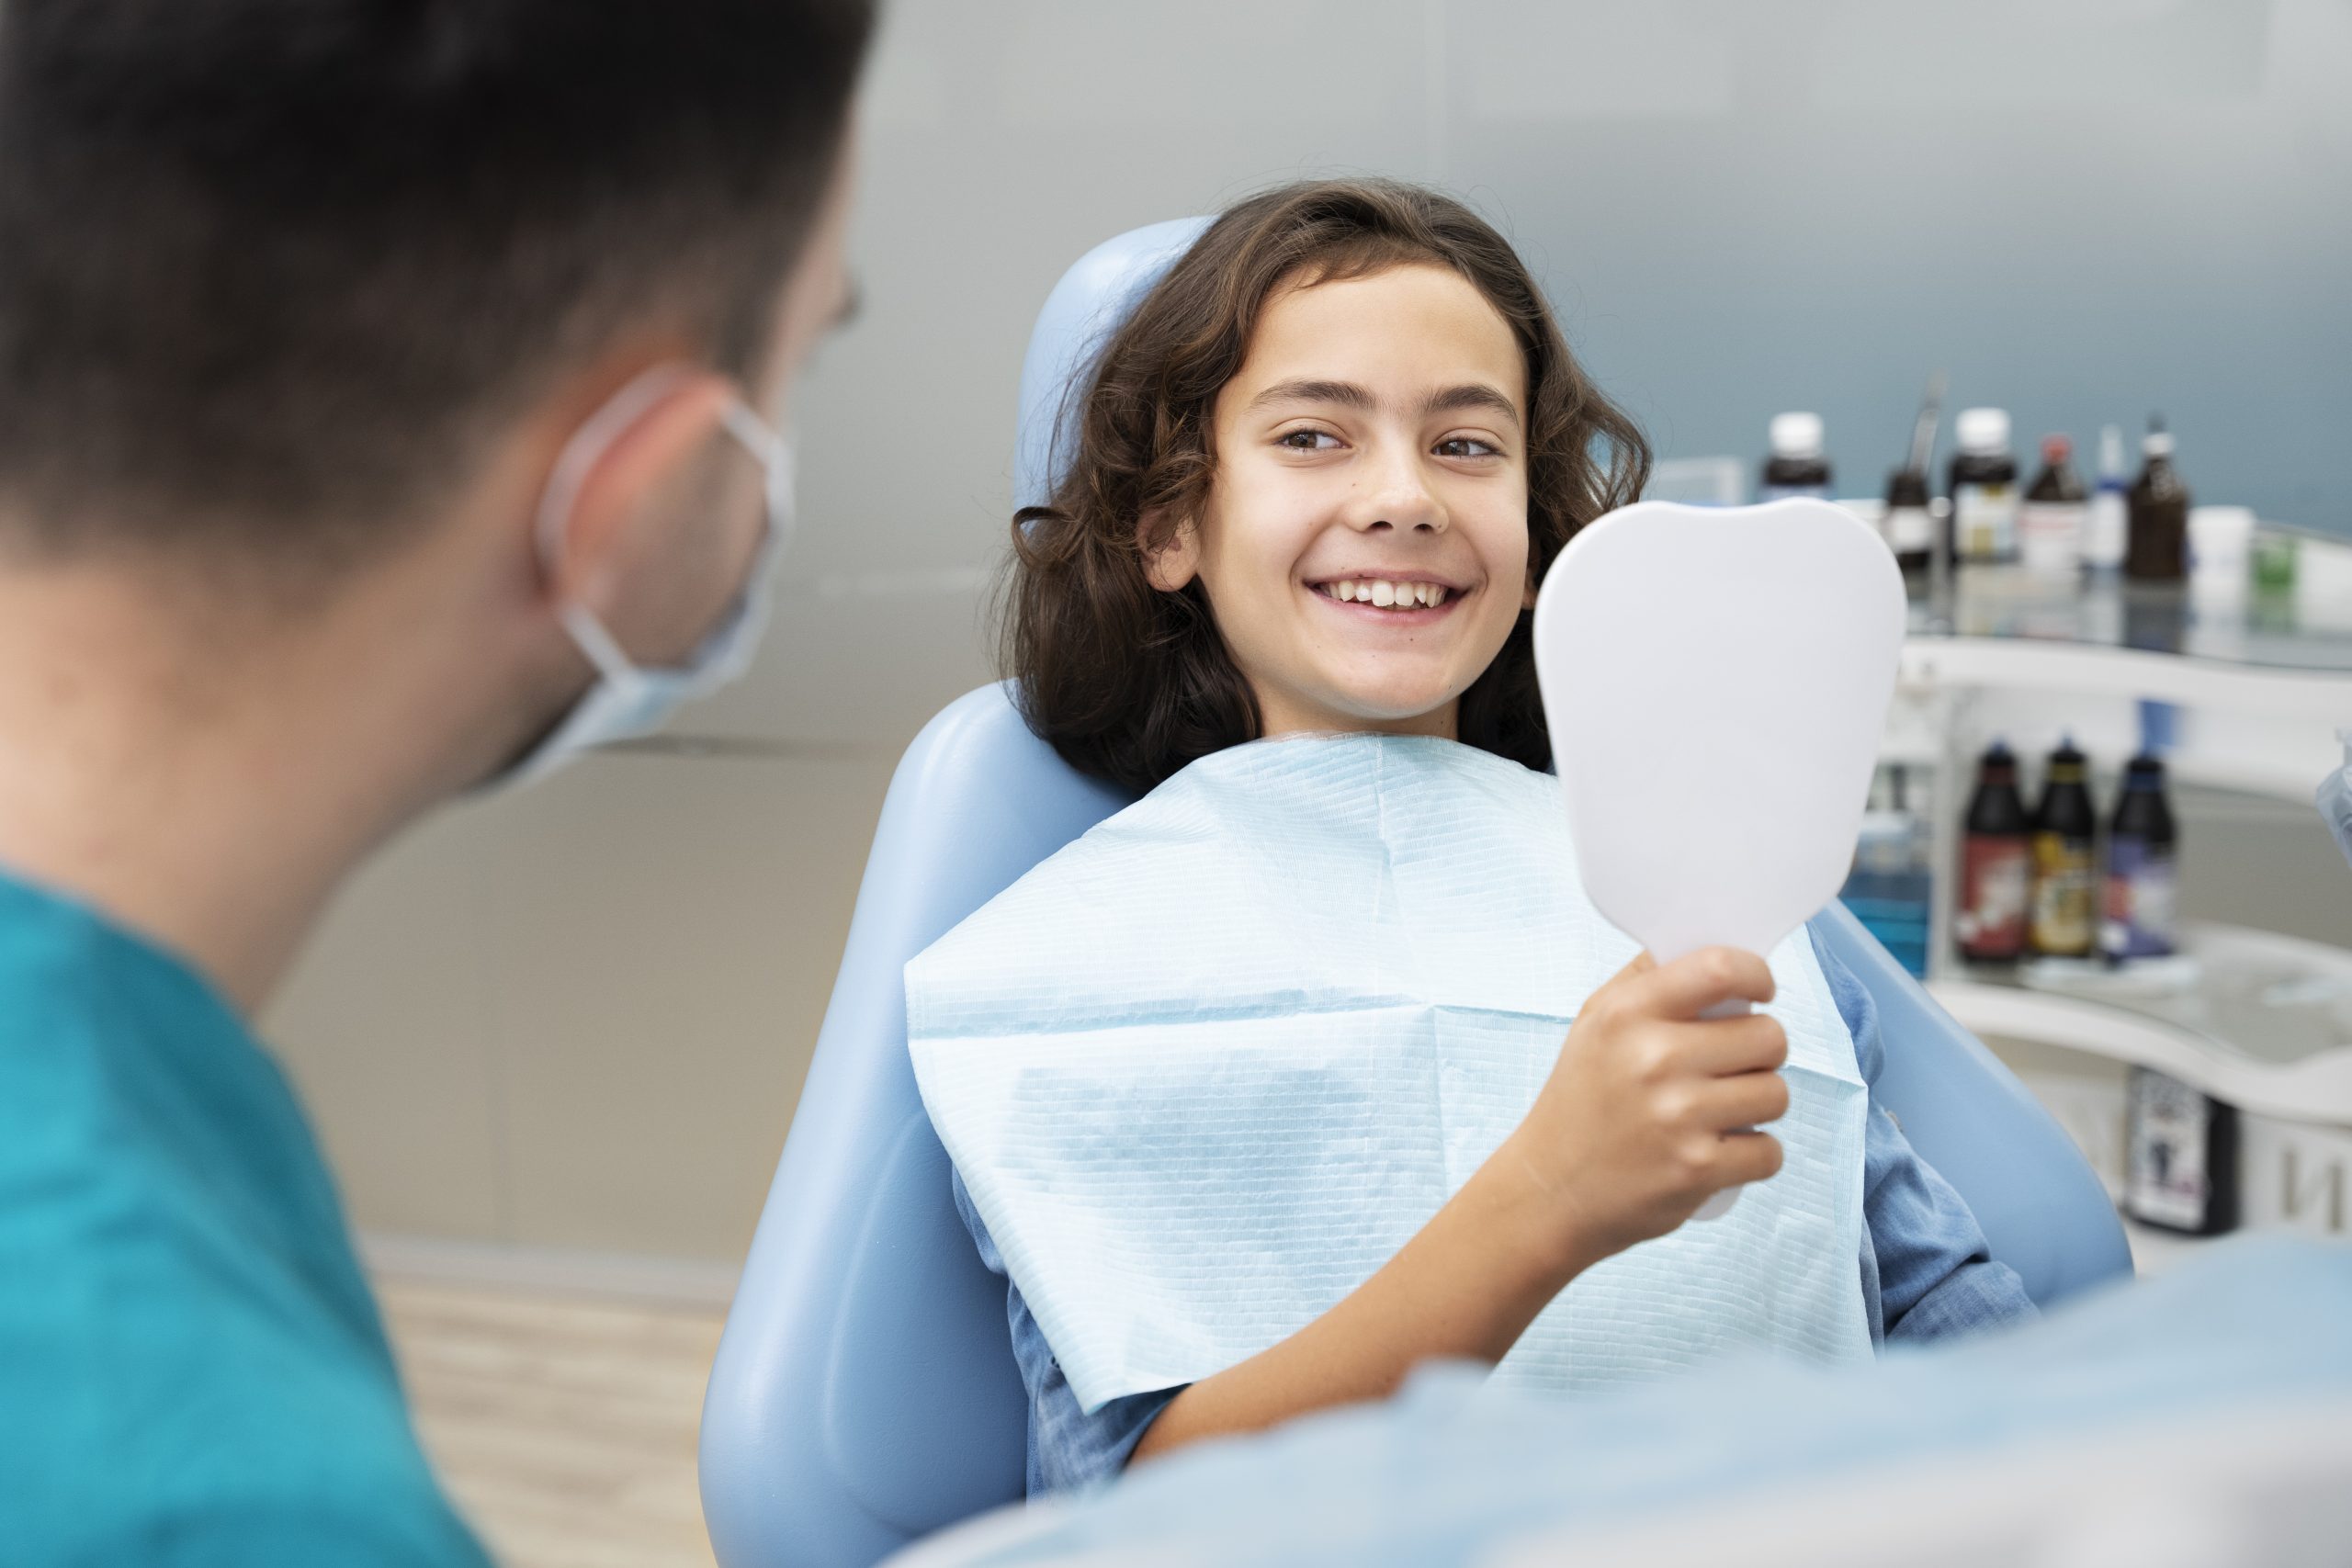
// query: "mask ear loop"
[[578, 459], [774, 454]]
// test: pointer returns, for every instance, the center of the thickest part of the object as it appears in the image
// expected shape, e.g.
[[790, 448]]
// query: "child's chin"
[[1389, 707]]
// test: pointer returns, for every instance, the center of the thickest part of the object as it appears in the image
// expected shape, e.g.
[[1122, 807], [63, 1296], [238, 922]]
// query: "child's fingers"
[[1748, 1156], [1697, 981], [1715, 1047], [1742, 1100]]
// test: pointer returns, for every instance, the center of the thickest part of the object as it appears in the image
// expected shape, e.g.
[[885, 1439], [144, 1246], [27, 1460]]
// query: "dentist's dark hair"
[[274, 274], [1130, 683]]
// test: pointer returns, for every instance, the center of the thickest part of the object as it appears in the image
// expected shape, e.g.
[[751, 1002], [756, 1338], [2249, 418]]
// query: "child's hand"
[[1645, 1113]]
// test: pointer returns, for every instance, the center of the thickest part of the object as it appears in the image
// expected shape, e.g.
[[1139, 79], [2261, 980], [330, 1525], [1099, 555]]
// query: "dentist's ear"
[[623, 485], [1171, 555]]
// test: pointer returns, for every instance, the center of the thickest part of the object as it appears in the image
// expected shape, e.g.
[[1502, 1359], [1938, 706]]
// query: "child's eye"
[[1307, 440], [1465, 447]]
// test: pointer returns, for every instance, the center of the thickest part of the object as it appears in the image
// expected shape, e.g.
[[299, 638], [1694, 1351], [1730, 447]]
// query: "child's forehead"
[[1402, 330]]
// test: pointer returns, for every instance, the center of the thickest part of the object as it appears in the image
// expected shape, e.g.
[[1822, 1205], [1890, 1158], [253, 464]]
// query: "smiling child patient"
[[1315, 1063]]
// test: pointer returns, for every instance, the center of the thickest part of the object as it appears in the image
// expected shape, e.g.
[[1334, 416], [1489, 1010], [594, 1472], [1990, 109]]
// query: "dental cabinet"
[[2253, 688]]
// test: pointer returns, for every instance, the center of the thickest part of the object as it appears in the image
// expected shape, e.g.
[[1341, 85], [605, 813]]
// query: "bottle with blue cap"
[[2105, 528], [2138, 902]]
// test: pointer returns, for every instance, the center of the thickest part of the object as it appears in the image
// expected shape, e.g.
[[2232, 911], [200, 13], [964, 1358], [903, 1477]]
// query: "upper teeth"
[[1376, 591]]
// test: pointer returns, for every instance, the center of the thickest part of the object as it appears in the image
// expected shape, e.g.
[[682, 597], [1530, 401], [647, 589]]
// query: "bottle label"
[[1994, 881], [1910, 529], [2050, 535], [1985, 521], [2168, 1131], [2065, 923], [2140, 899], [1783, 492]]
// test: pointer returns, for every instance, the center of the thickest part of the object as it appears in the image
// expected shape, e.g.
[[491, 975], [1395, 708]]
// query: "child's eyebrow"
[[1468, 398], [1469, 395], [1345, 393]]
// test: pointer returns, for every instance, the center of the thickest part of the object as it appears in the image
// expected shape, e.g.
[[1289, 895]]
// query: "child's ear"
[[1172, 556]]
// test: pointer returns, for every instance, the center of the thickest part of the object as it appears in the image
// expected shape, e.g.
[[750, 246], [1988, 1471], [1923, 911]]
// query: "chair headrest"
[[1085, 307]]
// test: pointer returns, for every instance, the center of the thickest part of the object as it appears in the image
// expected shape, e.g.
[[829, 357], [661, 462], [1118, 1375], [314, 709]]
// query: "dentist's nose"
[[1395, 495]]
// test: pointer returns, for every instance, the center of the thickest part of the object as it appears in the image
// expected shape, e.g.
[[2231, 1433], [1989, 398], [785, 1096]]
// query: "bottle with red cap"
[[2055, 515]]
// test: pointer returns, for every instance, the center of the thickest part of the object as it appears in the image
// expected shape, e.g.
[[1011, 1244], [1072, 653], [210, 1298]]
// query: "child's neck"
[[1281, 715]]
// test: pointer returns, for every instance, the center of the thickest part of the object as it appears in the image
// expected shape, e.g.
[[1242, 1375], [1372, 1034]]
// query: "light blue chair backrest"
[[865, 1391]]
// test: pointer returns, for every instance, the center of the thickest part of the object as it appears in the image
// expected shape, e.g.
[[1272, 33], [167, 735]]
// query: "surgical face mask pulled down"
[[628, 700]]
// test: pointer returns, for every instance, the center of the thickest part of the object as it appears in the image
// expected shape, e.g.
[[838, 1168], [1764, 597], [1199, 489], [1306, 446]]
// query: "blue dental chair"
[[865, 1393]]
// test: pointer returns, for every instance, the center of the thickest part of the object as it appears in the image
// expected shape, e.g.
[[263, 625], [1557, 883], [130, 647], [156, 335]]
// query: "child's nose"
[[1399, 500]]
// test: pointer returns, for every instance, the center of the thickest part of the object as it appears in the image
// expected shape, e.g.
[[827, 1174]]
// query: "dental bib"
[[1211, 1065]]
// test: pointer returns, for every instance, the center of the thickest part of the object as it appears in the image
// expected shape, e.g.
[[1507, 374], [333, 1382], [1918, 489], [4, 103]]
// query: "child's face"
[[1370, 450]]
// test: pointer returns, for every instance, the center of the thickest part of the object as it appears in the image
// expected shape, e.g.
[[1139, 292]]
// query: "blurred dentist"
[[388, 398]]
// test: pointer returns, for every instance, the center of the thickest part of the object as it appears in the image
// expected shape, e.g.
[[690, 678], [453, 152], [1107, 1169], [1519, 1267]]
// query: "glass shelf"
[[2301, 630], [2267, 998], [2262, 1021], [2268, 676], [2306, 627]]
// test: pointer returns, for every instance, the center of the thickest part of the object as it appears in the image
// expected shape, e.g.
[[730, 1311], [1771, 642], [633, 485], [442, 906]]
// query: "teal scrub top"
[[192, 1369]]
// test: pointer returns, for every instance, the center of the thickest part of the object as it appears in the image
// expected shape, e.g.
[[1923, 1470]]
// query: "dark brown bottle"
[[1798, 466], [1910, 522], [1996, 865], [2157, 547], [2065, 922]]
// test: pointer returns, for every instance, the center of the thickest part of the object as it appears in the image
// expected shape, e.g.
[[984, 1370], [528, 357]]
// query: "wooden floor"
[[564, 1426]]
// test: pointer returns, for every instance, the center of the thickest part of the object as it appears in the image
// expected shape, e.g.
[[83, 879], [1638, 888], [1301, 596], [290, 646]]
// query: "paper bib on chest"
[[1210, 1066]]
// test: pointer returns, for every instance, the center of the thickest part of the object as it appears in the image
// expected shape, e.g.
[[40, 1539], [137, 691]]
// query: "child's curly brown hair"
[[1130, 683]]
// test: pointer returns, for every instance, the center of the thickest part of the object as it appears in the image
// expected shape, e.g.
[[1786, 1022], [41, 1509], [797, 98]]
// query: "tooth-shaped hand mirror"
[[1716, 681]]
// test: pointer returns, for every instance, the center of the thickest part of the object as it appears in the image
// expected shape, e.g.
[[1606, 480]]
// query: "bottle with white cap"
[[2157, 548], [1797, 466], [2104, 529], [1983, 488]]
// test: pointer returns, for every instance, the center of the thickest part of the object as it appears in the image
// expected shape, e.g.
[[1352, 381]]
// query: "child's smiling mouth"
[[1390, 596]]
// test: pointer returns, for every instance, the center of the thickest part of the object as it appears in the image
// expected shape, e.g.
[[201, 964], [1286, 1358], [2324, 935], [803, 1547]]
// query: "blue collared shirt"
[[1926, 1275]]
